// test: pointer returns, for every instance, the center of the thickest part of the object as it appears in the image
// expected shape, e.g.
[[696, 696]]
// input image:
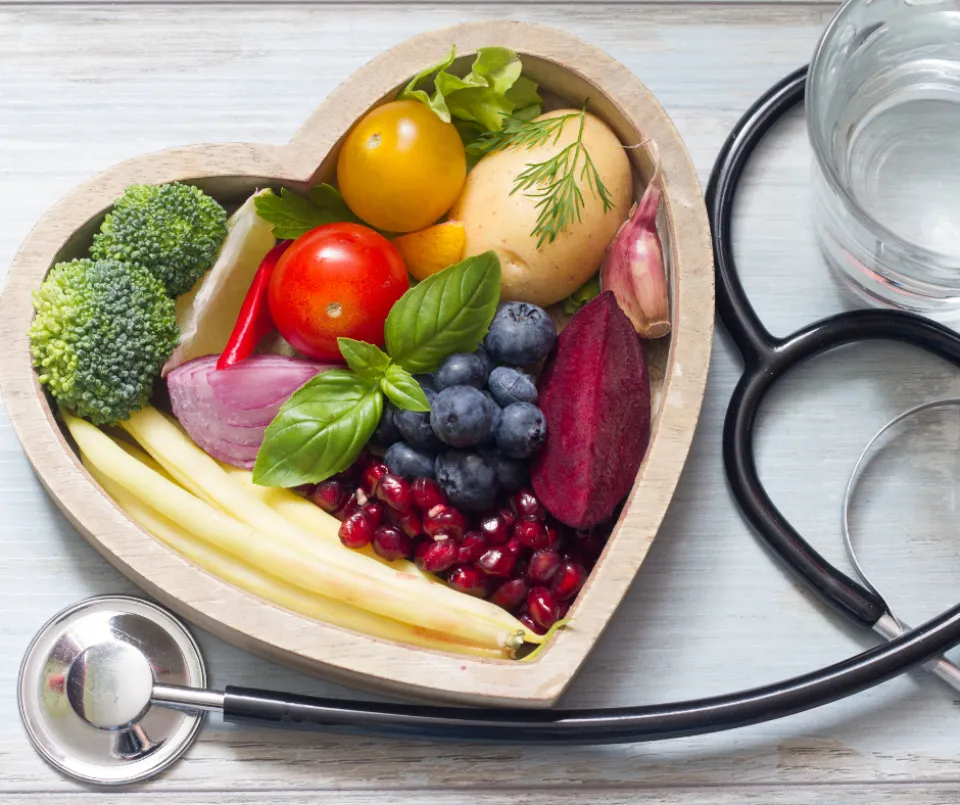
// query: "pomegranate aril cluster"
[[515, 554]]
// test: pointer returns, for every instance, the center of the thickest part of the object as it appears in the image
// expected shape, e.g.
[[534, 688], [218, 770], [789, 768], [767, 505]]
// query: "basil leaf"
[[319, 431], [293, 215], [403, 391], [446, 313], [365, 359]]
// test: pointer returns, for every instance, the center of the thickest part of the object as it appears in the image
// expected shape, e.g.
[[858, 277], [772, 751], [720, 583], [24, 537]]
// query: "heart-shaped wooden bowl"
[[564, 66]]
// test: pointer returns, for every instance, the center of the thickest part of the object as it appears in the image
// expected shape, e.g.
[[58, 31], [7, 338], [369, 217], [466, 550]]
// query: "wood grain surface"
[[82, 87]]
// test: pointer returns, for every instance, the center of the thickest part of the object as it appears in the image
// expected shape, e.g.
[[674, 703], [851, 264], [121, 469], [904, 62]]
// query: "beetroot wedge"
[[595, 394]]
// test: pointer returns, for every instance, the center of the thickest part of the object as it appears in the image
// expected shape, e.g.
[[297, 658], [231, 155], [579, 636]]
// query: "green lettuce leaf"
[[491, 91]]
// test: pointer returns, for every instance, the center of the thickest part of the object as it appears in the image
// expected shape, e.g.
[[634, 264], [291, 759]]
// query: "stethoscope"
[[113, 689]]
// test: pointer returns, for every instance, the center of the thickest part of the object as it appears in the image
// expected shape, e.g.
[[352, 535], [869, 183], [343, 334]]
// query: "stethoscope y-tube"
[[766, 359]]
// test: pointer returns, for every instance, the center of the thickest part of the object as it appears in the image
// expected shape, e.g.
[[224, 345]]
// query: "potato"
[[494, 219]]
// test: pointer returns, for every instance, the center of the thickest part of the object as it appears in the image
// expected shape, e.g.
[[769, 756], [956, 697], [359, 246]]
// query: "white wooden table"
[[84, 86]]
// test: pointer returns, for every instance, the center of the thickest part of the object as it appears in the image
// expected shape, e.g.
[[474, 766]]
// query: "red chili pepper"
[[254, 321]]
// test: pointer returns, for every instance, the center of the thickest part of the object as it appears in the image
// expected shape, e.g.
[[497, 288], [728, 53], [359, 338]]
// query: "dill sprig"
[[556, 182]]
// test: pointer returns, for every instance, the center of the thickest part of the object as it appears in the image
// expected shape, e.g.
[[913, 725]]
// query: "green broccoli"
[[101, 334], [172, 230]]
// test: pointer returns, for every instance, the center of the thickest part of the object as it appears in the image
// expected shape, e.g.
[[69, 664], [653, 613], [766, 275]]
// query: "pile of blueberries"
[[483, 425]]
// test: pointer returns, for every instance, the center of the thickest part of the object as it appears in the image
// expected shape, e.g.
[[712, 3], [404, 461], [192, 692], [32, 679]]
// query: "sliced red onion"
[[226, 412]]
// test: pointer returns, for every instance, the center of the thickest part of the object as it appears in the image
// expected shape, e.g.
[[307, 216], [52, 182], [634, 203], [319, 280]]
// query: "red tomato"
[[338, 280]]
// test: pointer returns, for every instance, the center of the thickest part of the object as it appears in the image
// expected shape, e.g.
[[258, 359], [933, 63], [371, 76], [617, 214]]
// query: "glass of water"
[[883, 115]]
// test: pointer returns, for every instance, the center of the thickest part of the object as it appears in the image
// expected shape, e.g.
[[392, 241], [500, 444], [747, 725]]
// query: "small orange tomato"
[[336, 280], [401, 167]]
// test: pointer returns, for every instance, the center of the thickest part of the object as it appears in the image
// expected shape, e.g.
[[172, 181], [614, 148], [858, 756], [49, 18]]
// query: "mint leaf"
[[447, 312], [403, 391], [365, 359], [320, 430], [292, 215], [491, 91]]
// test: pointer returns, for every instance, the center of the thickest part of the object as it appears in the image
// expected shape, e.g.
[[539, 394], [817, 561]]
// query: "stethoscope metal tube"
[[766, 359]]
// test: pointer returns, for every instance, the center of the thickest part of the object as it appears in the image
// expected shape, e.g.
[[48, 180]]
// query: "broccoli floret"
[[101, 334], [172, 230]]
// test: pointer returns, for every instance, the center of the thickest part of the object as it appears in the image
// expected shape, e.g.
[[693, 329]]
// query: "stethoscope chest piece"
[[86, 683]]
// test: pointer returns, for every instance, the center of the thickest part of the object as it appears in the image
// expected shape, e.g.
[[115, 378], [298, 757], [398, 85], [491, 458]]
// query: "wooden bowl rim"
[[285, 636]]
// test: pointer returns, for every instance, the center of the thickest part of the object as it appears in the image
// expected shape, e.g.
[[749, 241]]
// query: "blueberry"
[[461, 370], [509, 386], [467, 479], [511, 475], [408, 462], [483, 355], [521, 431], [494, 410], [461, 416], [520, 334], [387, 432], [426, 381], [415, 425]]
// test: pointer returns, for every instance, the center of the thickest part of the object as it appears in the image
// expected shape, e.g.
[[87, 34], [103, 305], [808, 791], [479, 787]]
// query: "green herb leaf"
[[492, 90], [447, 312], [365, 359], [293, 215], [402, 390], [320, 430], [582, 295]]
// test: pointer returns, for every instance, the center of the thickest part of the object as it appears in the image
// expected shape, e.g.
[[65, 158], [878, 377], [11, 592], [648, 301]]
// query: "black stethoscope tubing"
[[766, 359]]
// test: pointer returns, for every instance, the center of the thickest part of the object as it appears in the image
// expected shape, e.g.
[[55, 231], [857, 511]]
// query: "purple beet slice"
[[595, 395]]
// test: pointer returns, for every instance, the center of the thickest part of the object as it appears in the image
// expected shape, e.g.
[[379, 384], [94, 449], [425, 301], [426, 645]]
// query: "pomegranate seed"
[[395, 492], [555, 536], [508, 515], [495, 529], [407, 522], [530, 533], [427, 494], [468, 580], [472, 547], [514, 546], [375, 510], [544, 565], [372, 475], [543, 607], [329, 496], [510, 594], [497, 562], [440, 556], [568, 580], [352, 475], [305, 489], [531, 624], [357, 530], [419, 550], [525, 504], [352, 505], [562, 610], [444, 519], [391, 543], [591, 544]]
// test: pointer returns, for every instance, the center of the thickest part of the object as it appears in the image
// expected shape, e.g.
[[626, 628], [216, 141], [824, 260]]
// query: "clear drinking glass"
[[883, 115]]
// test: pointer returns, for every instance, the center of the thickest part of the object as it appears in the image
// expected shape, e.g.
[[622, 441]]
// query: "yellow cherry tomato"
[[401, 167]]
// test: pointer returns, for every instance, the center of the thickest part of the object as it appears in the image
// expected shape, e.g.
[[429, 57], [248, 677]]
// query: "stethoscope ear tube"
[[767, 359]]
